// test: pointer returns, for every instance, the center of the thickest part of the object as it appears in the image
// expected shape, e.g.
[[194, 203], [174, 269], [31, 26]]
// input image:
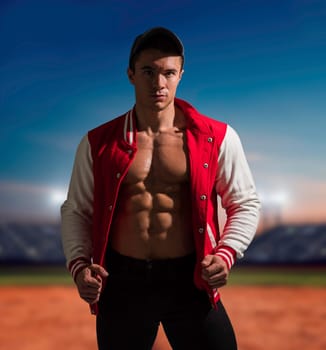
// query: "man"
[[140, 224]]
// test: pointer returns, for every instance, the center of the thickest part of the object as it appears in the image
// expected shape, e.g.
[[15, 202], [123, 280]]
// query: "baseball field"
[[271, 309]]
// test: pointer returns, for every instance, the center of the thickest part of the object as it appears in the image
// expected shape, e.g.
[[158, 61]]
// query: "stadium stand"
[[30, 244], [289, 245]]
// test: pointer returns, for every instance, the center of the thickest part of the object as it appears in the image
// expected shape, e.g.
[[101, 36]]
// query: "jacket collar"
[[195, 120]]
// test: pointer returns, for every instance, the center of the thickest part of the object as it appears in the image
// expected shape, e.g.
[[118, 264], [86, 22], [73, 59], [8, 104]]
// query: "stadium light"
[[278, 198], [272, 207], [57, 197]]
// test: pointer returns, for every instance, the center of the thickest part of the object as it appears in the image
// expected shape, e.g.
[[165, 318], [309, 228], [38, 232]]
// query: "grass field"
[[282, 276], [34, 276]]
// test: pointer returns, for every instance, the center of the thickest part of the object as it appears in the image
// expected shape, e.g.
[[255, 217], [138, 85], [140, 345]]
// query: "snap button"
[[210, 139], [201, 230], [205, 165], [203, 197], [118, 175], [110, 207]]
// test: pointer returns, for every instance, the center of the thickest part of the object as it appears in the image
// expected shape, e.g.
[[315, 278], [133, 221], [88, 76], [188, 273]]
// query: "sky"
[[258, 65]]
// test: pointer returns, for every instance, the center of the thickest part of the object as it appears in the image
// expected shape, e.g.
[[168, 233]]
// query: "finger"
[[207, 261], [217, 284], [90, 284], [93, 285], [218, 277], [99, 270], [218, 280], [89, 294], [215, 276], [92, 300], [221, 274], [93, 278], [214, 269]]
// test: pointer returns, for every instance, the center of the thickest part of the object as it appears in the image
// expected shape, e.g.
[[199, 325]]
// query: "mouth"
[[158, 96]]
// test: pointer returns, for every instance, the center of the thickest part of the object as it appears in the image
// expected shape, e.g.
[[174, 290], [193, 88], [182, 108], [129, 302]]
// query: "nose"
[[158, 81]]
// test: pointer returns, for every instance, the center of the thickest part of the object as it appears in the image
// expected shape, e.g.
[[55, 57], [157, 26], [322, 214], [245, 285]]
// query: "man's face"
[[155, 79]]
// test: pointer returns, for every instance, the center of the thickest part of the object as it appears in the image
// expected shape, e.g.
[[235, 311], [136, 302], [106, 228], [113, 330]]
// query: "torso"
[[153, 215]]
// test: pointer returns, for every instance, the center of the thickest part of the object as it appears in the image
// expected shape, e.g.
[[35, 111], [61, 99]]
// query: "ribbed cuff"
[[76, 265], [228, 254]]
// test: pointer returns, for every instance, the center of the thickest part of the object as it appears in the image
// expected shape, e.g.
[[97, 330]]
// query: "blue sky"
[[258, 65]]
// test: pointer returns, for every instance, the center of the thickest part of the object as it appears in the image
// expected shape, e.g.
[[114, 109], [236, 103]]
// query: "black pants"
[[140, 294]]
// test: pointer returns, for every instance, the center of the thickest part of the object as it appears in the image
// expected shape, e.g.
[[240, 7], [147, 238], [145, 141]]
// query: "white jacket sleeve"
[[77, 211], [235, 186]]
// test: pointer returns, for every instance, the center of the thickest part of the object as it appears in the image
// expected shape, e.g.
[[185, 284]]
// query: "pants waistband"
[[134, 268]]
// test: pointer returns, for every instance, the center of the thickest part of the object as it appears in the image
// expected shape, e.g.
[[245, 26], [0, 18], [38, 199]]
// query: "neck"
[[155, 119]]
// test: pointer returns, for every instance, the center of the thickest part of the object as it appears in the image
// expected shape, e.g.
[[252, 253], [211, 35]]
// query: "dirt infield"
[[269, 318]]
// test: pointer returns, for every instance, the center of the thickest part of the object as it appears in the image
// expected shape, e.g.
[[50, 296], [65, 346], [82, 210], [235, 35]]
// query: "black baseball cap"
[[159, 38]]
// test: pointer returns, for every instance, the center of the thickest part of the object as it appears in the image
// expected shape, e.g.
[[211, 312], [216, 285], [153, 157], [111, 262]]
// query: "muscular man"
[[140, 224]]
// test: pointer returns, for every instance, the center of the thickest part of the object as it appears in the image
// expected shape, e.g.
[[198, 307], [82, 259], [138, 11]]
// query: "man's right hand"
[[89, 282]]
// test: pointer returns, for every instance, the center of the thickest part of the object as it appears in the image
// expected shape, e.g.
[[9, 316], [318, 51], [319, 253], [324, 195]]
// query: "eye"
[[170, 73], [148, 72]]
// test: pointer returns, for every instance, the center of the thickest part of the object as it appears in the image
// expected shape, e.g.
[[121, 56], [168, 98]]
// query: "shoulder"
[[214, 124], [106, 131], [199, 123], [101, 135], [231, 136], [107, 126], [198, 120]]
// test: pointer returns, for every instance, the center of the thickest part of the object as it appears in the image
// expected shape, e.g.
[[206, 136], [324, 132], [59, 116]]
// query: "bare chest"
[[159, 159]]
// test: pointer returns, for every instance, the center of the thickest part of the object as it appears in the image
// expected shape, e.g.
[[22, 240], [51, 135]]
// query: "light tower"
[[272, 208]]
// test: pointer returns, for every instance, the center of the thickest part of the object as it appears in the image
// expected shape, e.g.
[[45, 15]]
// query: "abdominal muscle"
[[153, 212]]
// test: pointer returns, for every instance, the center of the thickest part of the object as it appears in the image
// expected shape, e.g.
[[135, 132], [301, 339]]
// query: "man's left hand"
[[214, 271]]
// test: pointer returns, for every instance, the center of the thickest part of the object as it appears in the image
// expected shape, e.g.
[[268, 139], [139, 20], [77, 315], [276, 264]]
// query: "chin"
[[161, 106]]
